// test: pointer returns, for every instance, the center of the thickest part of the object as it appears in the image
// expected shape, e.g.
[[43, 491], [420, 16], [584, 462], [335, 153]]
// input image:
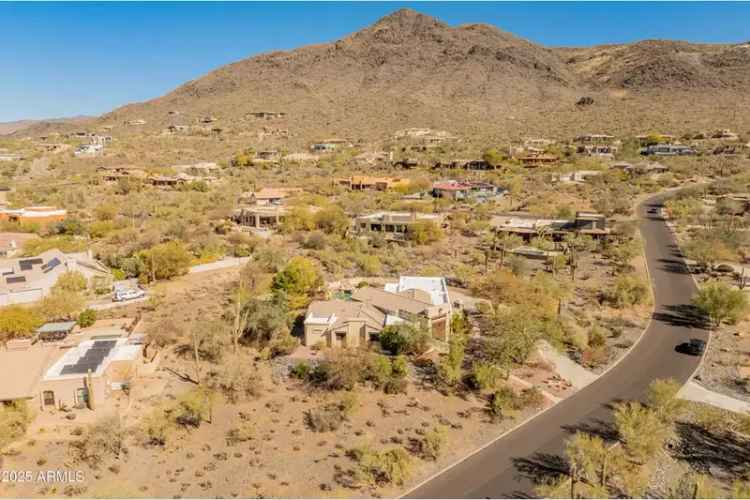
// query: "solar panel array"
[[91, 359], [51, 265], [27, 264]]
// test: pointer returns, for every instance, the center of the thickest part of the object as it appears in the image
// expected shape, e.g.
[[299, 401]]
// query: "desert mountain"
[[411, 70]]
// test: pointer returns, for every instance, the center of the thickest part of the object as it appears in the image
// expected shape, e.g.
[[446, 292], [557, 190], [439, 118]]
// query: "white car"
[[123, 295]]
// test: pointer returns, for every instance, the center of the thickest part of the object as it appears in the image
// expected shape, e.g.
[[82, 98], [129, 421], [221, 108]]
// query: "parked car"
[[130, 294], [694, 347]]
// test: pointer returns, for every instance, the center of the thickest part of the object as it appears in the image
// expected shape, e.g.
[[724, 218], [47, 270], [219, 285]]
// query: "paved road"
[[508, 467]]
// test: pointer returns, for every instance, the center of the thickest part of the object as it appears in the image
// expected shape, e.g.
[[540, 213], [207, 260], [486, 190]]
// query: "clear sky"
[[88, 58]]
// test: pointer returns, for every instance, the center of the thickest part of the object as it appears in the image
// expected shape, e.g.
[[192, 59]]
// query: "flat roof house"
[[26, 280], [456, 190], [422, 301], [33, 215], [668, 150], [394, 225], [589, 223], [364, 182], [67, 374], [538, 160], [269, 196]]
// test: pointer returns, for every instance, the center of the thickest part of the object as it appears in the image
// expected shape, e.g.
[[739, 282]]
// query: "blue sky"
[[88, 58]]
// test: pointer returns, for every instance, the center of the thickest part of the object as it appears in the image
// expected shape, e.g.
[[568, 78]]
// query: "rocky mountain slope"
[[411, 70]]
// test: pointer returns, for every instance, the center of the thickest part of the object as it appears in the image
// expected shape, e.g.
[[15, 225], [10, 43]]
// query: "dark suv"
[[694, 347]]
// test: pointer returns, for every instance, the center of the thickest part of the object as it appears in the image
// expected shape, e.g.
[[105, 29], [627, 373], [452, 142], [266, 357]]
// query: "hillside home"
[[116, 172], [528, 227], [575, 177], [11, 244], [203, 169], [667, 150], [89, 150], [468, 190], [329, 145], [408, 163], [422, 301], [394, 225], [260, 217], [87, 368], [29, 279], [365, 182], [178, 129], [463, 164], [538, 160], [136, 122], [11, 157], [33, 215], [268, 155], [267, 115], [269, 196]]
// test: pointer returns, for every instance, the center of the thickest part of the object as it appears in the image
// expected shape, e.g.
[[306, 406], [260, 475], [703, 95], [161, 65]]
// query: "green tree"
[[662, 398], [166, 260], [87, 318], [298, 280], [18, 321], [71, 281], [62, 305], [451, 366], [721, 302], [641, 430], [493, 157], [332, 220], [424, 232]]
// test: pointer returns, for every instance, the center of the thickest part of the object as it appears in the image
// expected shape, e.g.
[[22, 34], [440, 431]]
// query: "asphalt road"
[[510, 466]]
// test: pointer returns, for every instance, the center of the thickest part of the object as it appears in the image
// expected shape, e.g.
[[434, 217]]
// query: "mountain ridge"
[[410, 69]]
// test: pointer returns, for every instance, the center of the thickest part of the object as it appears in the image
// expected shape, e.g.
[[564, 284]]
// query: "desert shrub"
[[399, 367], [87, 318], [301, 370], [431, 444], [15, 418], [504, 402], [330, 416], [404, 339], [531, 397], [99, 442], [156, 427], [191, 409], [391, 466], [238, 382], [340, 371], [629, 290], [378, 370], [484, 376], [395, 386], [240, 434], [597, 337]]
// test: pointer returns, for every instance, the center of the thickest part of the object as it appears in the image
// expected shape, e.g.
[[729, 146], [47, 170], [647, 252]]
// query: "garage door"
[[26, 296]]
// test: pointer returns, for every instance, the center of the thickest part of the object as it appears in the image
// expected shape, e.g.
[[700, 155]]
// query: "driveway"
[[509, 466]]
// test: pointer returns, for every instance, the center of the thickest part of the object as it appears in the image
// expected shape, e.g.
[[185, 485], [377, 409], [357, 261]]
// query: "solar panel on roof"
[[15, 279], [27, 264], [51, 265]]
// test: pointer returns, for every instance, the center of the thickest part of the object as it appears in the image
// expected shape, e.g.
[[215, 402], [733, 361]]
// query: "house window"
[[49, 398], [82, 396]]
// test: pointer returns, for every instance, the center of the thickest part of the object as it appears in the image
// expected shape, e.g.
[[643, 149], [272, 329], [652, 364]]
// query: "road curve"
[[509, 466]]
